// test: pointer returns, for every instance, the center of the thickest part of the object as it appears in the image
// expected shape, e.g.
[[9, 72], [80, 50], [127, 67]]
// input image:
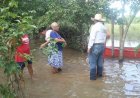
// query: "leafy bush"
[[12, 26]]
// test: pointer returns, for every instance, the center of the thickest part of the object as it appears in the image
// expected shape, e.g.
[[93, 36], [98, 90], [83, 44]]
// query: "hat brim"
[[93, 19]]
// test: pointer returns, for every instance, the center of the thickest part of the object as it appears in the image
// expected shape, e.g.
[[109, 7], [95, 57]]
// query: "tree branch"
[[129, 23]]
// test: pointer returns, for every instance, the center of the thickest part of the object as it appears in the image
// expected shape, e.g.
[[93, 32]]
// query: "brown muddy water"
[[119, 81]]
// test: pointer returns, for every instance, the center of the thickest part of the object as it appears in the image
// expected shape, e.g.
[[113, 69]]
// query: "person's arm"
[[65, 43], [44, 44], [57, 38], [91, 38], [60, 40], [108, 34]]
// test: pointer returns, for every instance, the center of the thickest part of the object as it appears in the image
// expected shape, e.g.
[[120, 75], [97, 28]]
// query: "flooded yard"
[[119, 81]]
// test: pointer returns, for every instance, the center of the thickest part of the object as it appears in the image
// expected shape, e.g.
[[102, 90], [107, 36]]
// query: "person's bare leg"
[[30, 70], [54, 70]]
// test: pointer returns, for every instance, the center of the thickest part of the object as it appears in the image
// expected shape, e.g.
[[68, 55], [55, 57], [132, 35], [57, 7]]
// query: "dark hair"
[[48, 28], [42, 29]]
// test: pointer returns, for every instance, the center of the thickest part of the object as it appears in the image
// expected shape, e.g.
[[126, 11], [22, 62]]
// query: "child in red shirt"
[[21, 52]]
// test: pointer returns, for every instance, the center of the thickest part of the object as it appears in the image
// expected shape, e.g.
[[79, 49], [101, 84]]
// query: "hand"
[[42, 45], [88, 50], [63, 40], [65, 44], [108, 35]]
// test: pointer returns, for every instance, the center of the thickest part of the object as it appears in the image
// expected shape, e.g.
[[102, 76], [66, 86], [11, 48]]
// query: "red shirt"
[[24, 48]]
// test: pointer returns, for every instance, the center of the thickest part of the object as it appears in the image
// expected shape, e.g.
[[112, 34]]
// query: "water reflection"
[[131, 76], [127, 43]]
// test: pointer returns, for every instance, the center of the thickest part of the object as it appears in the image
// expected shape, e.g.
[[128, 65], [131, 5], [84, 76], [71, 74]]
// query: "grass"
[[133, 33]]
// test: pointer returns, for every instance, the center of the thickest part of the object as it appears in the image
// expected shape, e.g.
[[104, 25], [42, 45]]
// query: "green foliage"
[[76, 12], [136, 20], [6, 92], [73, 15], [133, 33], [36, 8], [50, 48], [11, 68], [12, 26], [137, 48]]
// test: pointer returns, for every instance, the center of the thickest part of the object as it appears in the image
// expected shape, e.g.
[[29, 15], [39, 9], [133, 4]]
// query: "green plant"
[[12, 26], [6, 92], [137, 48], [50, 48]]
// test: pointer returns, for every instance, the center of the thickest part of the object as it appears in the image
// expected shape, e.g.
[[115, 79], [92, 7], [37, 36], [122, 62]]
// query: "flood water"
[[119, 81], [126, 44]]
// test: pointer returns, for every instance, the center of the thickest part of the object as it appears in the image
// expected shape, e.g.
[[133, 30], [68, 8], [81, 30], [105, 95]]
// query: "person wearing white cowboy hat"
[[96, 46], [98, 17]]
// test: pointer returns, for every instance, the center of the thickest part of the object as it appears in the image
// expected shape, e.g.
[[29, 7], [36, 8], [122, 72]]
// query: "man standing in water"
[[96, 46]]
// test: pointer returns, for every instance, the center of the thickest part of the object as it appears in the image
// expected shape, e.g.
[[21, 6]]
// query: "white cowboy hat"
[[97, 17]]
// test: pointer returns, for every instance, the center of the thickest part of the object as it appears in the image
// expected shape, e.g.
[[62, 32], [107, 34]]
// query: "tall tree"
[[111, 14], [124, 27]]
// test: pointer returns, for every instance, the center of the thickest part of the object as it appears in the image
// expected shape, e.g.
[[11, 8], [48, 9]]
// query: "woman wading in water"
[[55, 60]]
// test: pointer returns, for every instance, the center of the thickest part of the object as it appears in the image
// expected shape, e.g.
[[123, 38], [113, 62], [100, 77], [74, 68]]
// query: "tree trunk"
[[122, 32], [112, 31], [121, 43], [128, 25]]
